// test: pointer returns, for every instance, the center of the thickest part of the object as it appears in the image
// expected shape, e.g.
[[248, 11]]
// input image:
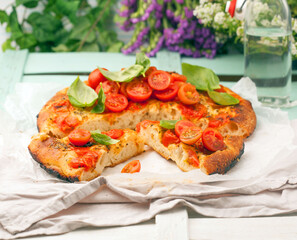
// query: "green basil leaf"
[[223, 98], [123, 76], [3, 17], [81, 95], [100, 107], [202, 78], [68, 8], [26, 41], [143, 60], [168, 124], [103, 139], [27, 3], [15, 27]]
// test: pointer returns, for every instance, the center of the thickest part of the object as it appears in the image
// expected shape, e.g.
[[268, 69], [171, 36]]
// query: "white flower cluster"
[[213, 15], [206, 12]]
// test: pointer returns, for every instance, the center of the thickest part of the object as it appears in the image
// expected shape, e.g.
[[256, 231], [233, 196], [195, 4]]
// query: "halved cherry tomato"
[[187, 94], [138, 91], [114, 133], [169, 138], [144, 124], [123, 89], [218, 120], [191, 135], [87, 160], [108, 87], [79, 137], [181, 125], [159, 80], [132, 167], [196, 111], [178, 77], [95, 77], [167, 94], [116, 102], [212, 140], [62, 106], [193, 159], [66, 122], [150, 70]]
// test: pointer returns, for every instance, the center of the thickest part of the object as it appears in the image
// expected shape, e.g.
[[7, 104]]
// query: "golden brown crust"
[[209, 162], [222, 161], [54, 155]]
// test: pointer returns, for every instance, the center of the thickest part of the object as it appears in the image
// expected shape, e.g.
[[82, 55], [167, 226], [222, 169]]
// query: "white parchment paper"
[[255, 186]]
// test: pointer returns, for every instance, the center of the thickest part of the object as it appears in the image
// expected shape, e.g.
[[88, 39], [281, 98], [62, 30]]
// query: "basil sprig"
[[143, 60], [168, 124], [205, 79], [103, 139], [100, 106], [125, 75], [223, 98], [81, 95], [128, 74]]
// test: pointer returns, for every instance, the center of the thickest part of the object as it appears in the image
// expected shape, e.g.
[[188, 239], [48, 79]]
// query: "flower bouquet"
[[191, 27]]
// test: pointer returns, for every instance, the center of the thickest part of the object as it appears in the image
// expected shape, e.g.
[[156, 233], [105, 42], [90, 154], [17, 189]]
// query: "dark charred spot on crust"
[[54, 172], [37, 115], [233, 162]]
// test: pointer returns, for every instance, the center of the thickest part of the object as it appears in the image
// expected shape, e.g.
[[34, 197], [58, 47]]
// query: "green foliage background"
[[62, 26]]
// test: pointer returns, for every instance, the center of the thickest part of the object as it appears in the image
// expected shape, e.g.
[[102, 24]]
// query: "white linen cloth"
[[33, 202]]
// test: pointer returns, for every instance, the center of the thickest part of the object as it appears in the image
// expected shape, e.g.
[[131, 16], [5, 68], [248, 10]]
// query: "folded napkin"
[[33, 202]]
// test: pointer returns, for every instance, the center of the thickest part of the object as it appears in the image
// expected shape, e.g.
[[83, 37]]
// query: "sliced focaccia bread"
[[73, 163], [211, 152]]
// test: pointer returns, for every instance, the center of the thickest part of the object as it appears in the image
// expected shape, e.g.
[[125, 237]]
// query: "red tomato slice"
[[150, 70], [167, 94], [86, 161], [181, 125], [193, 159], [190, 135], [169, 138], [132, 167], [144, 124], [178, 77], [138, 91], [116, 102], [79, 137], [219, 120], [212, 140], [108, 87], [187, 94], [66, 122], [114, 133], [95, 77], [159, 80]]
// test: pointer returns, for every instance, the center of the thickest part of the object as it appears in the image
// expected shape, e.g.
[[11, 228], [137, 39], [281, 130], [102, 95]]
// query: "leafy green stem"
[[93, 26]]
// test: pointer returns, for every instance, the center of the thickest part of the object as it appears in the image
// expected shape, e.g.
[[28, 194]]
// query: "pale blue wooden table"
[[21, 66]]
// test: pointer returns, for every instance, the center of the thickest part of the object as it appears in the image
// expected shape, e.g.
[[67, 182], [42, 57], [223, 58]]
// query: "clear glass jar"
[[267, 50]]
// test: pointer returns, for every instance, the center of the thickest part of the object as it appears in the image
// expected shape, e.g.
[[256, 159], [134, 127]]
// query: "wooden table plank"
[[172, 225], [12, 64], [42, 63], [272, 228], [223, 65]]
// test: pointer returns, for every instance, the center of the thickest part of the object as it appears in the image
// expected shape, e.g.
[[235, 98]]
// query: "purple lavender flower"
[[180, 1], [188, 12]]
